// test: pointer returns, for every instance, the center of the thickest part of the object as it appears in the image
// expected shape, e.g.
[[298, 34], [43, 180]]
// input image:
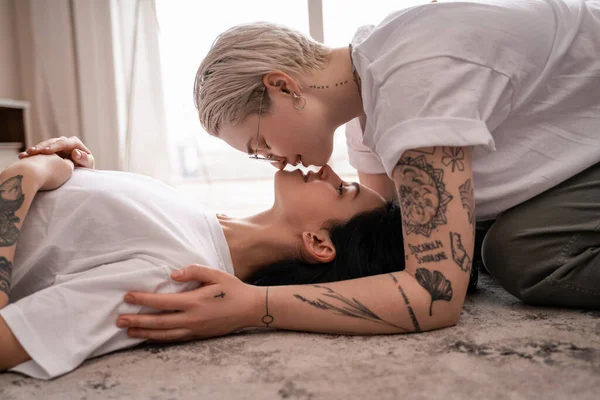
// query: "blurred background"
[[119, 74]]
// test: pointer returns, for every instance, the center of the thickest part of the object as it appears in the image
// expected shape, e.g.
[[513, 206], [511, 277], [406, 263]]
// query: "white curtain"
[[92, 69], [139, 78], [45, 42]]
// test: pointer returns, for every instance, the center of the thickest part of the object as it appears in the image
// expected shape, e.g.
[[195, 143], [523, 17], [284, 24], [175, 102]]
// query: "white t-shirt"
[[518, 80], [86, 244]]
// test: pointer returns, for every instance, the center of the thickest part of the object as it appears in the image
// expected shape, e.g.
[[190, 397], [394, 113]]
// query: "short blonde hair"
[[229, 81]]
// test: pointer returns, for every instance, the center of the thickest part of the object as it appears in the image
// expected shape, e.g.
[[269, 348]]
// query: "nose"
[[327, 174], [279, 162]]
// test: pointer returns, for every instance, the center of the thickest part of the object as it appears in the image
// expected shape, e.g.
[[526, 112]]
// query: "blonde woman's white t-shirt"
[[517, 80], [83, 246]]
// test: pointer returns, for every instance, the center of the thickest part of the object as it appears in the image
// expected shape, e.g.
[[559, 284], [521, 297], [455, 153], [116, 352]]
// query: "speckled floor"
[[501, 349]]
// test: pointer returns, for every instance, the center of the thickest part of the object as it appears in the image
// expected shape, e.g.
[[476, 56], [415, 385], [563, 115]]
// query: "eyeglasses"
[[270, 158]]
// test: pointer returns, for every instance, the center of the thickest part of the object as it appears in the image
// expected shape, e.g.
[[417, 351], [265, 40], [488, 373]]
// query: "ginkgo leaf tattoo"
[[436, 284]]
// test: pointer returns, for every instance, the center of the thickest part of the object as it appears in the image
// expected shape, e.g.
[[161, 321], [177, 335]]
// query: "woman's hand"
[[49, 171], [222, 304], [64, 147]]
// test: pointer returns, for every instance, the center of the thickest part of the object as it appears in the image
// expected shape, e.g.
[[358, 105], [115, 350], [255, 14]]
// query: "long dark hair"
[[369, 243]]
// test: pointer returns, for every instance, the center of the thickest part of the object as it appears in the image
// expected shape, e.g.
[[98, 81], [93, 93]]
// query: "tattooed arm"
[[436, 196], [18, 185], [17, 188]]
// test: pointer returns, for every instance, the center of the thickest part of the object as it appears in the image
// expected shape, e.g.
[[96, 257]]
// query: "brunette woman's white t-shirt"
[[517, 80], [86, 244]]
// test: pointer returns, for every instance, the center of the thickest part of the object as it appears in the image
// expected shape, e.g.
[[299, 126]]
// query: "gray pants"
[[546, 251]]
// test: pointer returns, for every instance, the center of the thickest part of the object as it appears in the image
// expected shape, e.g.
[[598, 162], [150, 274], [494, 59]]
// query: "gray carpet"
[[501, 349]]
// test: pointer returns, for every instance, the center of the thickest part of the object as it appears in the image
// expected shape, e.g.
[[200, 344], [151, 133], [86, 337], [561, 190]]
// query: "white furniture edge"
[[10, 103]]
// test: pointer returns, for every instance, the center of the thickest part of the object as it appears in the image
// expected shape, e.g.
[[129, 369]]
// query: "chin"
[[287, 181]]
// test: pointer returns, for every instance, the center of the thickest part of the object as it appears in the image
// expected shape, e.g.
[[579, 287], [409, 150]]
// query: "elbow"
[[454, 318], [454, 315], [450, 319]]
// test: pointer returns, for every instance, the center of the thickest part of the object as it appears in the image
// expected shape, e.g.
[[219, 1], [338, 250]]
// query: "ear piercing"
[[302, 101]]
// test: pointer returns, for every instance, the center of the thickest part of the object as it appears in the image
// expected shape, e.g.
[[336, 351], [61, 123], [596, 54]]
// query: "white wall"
[[10, 82]]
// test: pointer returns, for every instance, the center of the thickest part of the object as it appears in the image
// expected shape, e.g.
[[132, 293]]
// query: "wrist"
[[253, 317], [29, 172]]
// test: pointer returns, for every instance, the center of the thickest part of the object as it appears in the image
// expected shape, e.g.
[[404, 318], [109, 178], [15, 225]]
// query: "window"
[[220, 177]]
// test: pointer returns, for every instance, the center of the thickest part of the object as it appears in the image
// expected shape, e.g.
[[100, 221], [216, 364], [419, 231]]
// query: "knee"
[[510, 257]]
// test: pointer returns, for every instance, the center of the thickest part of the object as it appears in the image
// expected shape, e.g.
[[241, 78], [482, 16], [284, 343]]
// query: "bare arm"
[[11, 352], [382, 304]]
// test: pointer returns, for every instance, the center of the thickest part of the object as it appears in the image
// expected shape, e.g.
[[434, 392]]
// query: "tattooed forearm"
[[267, 319], [347, 307], [459, 254], [5, 274], [436, 256], [413, 317], [422, 195], [436, 284], [467, 196], [11, 199]]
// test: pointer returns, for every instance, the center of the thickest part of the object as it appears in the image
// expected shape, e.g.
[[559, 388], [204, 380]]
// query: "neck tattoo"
[[344, 82], [354, 74]]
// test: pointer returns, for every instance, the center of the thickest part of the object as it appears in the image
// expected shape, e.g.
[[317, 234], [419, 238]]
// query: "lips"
[[304, 177], [319, 175]]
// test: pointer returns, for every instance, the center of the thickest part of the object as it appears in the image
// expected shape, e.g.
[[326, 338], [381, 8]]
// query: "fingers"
[[57, 145], [83, 159], [166, 302], [169, 335], [153, 321]]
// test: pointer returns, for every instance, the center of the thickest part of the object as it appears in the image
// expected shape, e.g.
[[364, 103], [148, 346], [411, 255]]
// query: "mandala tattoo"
[[11, 199], [459, 254], [5, 275], [467, 196], [423, 196], [454, 156], [346, 307], [436, 284]]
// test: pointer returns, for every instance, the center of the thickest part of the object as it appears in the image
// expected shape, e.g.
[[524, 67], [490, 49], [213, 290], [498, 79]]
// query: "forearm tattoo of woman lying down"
[[11, 199]]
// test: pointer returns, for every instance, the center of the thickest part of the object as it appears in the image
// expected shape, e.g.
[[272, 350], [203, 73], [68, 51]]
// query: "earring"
[[303, 101]]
